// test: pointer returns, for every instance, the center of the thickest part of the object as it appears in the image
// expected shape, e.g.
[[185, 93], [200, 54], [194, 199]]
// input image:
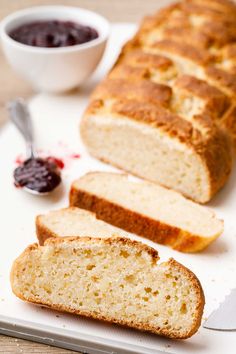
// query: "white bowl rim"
[[48, 8]]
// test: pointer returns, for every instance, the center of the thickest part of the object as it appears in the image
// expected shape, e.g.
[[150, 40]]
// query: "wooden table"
[[12, 86]]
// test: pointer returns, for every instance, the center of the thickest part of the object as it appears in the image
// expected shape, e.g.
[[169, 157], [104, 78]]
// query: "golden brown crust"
[[230, 51], [158, 117], [216, 101], [217, 155], [171, 263], [138, 58], [141, 90], [222, 79], [199, 56], [230, 121], [130, 73], [214, 9], [136, 223]]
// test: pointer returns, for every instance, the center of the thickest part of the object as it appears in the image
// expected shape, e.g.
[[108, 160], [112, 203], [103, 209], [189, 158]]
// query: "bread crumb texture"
[[113, 279]]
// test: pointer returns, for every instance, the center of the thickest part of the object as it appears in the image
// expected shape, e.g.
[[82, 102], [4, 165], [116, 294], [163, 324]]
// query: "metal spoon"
[[35, 175]]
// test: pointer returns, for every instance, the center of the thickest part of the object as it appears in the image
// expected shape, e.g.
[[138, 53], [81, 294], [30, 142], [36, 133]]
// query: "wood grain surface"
[[11, 86]]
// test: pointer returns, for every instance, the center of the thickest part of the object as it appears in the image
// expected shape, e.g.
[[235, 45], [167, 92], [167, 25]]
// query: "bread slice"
[[149, 210], [73, 222], [113, 279]]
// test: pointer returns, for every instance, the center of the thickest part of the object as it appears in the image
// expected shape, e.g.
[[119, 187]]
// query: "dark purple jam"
[[41, 175], [53, 34]]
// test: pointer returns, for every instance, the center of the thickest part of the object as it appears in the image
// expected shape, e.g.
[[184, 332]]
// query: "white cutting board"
[[56, 120]]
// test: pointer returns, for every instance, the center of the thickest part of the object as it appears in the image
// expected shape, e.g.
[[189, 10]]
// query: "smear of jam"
[[53, 34], [75, 156], [41, 175], [59, 162], [19, 160]]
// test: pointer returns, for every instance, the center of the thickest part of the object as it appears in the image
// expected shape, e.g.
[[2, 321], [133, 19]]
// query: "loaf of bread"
[[73, 222], [149, 210], [115, 280], [166, 111]]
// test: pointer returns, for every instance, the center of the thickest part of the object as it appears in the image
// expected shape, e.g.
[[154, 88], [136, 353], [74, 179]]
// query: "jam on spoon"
[[53, 34], [35, 175], [38, 175]]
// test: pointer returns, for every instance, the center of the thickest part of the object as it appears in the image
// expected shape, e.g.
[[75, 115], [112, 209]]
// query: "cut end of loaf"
[[116, 280], [146, 152]]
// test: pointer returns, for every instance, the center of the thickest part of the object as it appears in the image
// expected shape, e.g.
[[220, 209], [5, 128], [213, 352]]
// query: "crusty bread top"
[[114, 279], [178, 74], [198, 36]]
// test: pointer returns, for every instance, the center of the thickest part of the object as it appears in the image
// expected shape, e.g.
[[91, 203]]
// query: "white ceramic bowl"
[[54, 69]]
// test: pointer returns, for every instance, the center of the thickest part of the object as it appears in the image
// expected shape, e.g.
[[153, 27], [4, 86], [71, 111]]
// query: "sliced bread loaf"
[[73, 222], [149, 210], [114, 279], [166, 111]]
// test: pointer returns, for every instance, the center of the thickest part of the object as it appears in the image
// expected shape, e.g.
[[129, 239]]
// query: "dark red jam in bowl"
[[38, 174], [53, 34]]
